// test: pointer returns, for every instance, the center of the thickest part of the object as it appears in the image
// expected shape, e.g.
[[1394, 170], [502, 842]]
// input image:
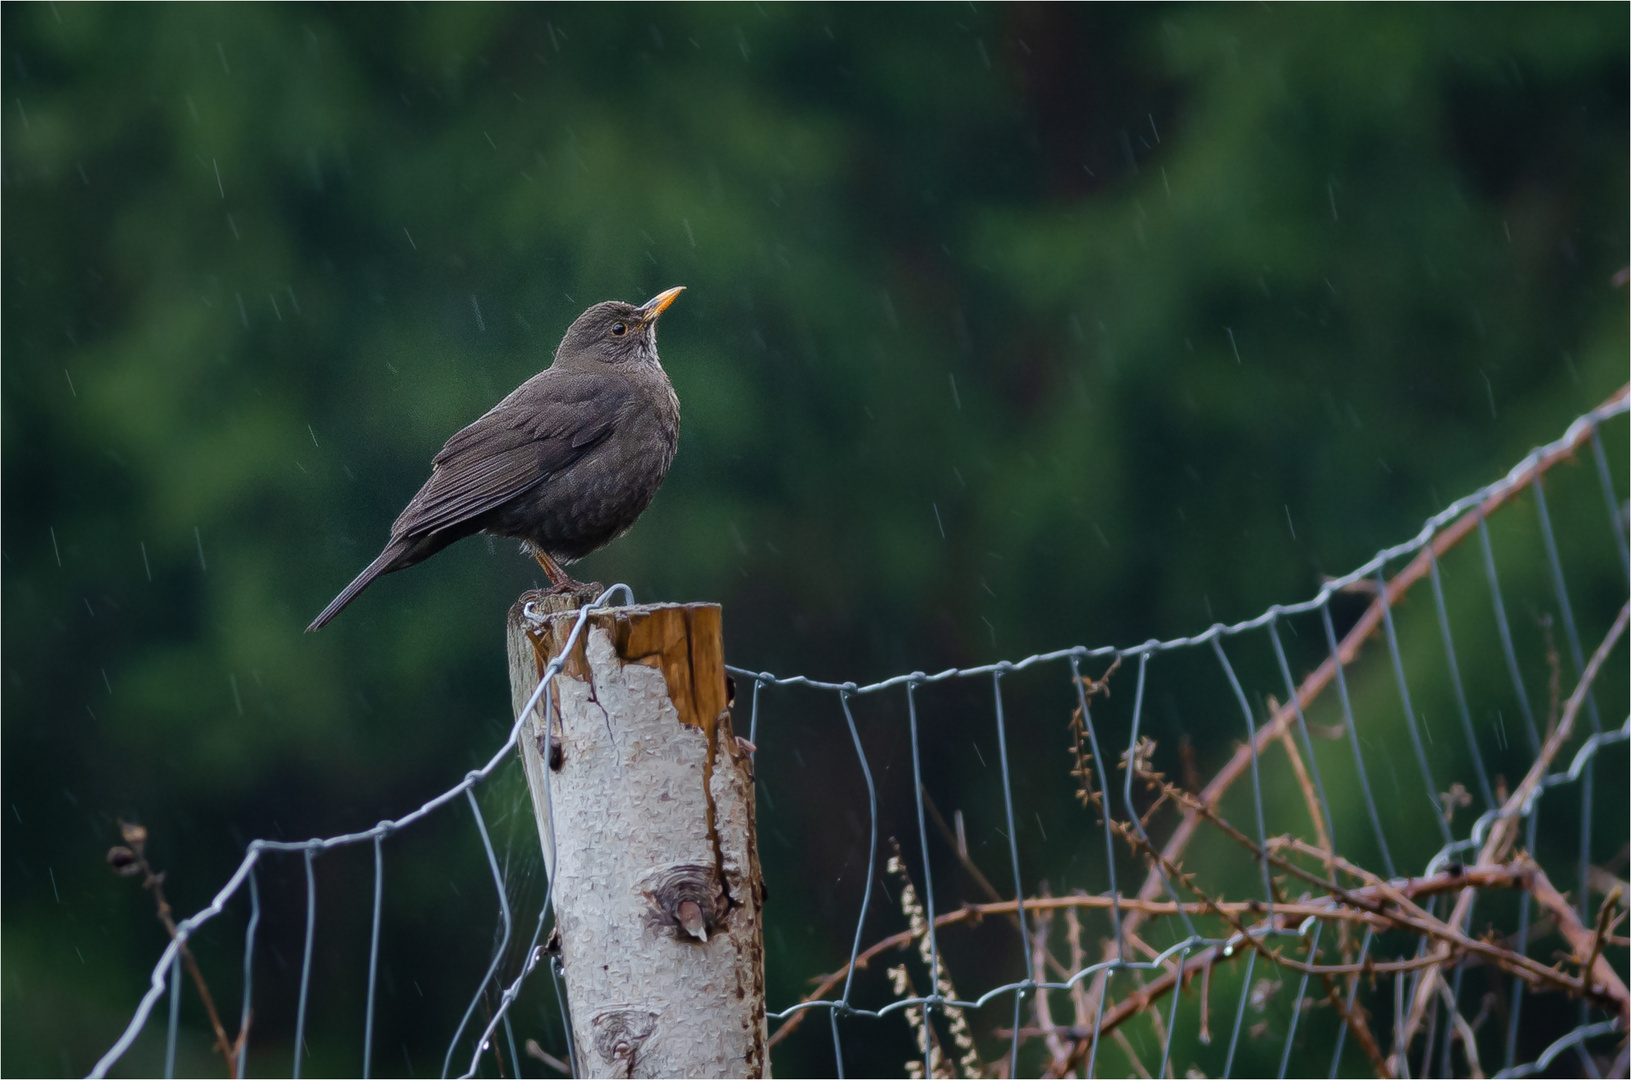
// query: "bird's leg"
[[559, 580]]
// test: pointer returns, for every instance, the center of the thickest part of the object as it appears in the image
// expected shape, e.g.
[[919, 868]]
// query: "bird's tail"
[[387, 561]]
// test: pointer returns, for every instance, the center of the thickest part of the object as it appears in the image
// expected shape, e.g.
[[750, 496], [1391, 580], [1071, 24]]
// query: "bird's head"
[[615, 332]]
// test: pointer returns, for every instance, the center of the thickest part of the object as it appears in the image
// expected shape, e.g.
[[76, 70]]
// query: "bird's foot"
[[572, 587], [564, 596], [563, 585]]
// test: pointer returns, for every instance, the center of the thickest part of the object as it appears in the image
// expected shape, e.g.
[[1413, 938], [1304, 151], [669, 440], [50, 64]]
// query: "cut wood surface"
[[651, 845]]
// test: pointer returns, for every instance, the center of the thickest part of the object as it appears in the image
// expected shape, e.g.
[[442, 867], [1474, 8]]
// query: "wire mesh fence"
[[1315, 835]]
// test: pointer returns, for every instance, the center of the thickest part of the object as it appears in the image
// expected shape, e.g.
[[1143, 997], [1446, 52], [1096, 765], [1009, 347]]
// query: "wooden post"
[[652, 848]]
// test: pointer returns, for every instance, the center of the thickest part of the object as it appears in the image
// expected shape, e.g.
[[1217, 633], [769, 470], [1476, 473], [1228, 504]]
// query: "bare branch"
[[1504, 831], [1316, 682], [130, 860]]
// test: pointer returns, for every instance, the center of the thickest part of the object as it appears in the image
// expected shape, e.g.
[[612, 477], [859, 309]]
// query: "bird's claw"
[[580, 593]]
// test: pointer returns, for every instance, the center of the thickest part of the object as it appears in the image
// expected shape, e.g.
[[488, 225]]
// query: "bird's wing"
[[525, 439]]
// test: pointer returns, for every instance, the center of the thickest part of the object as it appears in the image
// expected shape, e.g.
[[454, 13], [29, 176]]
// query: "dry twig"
[[532, 1049], [1348, 649], [1503, 834], [130, 860]]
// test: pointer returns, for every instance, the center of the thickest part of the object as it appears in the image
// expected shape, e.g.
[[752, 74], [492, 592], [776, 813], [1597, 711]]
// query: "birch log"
[[651, 845]]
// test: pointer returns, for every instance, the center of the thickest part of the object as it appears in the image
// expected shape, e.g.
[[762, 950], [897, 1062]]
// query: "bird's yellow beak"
[[657, 304]]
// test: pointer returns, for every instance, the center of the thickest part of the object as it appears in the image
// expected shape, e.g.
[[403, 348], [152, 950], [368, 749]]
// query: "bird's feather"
[[513, 448]]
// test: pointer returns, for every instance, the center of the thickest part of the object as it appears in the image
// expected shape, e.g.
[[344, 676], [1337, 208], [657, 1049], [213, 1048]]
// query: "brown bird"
[[565, 464]]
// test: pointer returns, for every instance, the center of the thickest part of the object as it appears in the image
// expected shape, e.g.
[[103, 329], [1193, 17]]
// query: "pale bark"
[[651, 845]]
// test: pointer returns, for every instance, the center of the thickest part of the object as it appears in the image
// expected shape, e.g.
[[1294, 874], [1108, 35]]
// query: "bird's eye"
[[619, 329]]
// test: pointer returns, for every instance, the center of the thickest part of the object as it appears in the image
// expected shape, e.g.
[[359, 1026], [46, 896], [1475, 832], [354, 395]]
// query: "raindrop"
[[889, 310]]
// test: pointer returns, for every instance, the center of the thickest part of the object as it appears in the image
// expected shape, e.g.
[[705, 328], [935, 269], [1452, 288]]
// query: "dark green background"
[[1007, 328]]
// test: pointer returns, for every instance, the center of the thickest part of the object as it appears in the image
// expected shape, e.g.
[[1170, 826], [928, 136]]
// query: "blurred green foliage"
[[1006, 328]]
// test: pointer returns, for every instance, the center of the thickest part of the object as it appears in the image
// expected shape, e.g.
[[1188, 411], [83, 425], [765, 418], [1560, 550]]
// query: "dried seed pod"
[[124, 861]]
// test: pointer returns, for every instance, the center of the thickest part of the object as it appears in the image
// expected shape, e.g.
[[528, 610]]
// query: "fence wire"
[[1208, 931]]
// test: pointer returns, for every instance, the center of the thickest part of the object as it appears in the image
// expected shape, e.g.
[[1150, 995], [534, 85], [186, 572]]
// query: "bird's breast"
[[600, 496]]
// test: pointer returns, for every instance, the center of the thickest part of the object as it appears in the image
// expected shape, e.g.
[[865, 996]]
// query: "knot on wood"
[[619, 1031], [549, 748], [686, 898]]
